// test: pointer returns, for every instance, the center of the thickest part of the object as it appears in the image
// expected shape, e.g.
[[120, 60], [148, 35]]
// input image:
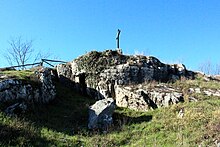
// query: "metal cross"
[[117, 38]]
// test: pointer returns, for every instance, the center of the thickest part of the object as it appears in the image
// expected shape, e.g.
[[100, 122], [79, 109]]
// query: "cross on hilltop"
[[117, 38], [117, 42]]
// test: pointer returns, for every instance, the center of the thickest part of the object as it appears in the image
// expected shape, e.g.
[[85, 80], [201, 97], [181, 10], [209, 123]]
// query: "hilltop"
[[158, 104]]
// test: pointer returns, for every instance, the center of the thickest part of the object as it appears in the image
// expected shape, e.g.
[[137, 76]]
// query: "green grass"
[[26, 76], [64, 123], [198, 82], [18, 74], [52, 124]]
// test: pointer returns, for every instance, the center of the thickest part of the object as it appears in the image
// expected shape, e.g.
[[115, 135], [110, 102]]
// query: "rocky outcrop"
[[100, 114], [47, 88], [40, 91], [11, 89], [142, 98], [143, 70], [108, 74], [208, 92]]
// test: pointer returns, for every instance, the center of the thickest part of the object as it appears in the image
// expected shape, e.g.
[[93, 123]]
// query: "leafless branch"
[[19, 51]]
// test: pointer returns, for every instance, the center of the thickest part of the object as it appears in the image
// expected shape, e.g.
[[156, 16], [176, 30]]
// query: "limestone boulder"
[[100, 114], [143, 99]]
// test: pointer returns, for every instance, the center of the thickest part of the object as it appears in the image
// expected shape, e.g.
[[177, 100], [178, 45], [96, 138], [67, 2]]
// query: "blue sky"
[[186, 31]]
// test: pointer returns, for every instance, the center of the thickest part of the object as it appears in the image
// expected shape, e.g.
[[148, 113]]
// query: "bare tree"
[[206, 67], [217, 70], [209, 68], [40, 55], [19, 52]]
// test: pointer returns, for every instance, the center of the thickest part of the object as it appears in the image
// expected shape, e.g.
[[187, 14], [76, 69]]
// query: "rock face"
[[110, 65], [106, 74], [100, 114], [48, 90], [142, 99], [208, 92], [16, 108], [42, 92]]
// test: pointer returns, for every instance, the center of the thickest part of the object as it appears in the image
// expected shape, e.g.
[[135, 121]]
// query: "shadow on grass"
[[120, 129], [121, 119], [68, 114], [13, 137], [131, 120]]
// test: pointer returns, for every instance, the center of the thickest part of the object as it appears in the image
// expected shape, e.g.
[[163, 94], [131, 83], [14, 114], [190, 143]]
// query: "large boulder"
[[100, 114]]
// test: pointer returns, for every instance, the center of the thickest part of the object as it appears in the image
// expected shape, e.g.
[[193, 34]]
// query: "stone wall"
[[41, 91]]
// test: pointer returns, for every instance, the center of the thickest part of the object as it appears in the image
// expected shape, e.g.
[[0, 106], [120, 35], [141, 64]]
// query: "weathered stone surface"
[[208, 92], [110, 67], [181, 113], [110, 74], [11, 89], [104, 74], [14, 89], [100, 114], [16, 108], [197, 90], [48, 90], [7, 83], [144, 99], [64, 69], [217, 143], [133, 100], [192, 99]]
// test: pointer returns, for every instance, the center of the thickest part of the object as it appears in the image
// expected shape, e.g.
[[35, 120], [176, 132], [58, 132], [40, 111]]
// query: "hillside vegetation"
[[23, 74], [64, 123]]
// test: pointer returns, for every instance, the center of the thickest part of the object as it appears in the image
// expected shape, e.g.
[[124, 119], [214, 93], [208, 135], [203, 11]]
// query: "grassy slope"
[[63, 123], [24, 74]]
